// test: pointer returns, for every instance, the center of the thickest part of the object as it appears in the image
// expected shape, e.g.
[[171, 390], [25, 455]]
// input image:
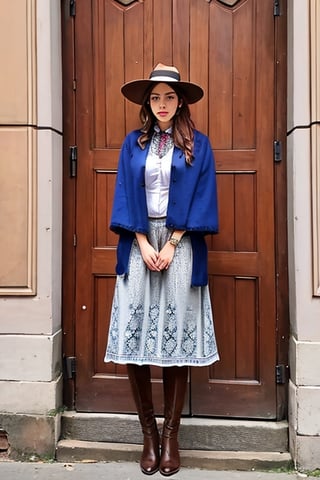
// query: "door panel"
[[229, 50]]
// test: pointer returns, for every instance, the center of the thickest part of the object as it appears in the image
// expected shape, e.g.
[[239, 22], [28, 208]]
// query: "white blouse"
[[157, 182]]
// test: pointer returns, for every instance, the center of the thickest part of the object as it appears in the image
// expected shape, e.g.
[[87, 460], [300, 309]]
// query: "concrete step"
[[203, 434], [71, 451]]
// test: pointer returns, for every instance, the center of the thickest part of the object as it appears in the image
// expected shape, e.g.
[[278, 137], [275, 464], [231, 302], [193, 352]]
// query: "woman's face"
[[164, 103]]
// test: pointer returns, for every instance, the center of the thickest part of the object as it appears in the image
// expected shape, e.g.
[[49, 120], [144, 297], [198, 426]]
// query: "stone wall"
[[304, 230], [31, 224]]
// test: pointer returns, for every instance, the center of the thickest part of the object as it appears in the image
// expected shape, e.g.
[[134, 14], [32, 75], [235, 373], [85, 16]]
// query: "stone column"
[[304, 230], [30, 226]]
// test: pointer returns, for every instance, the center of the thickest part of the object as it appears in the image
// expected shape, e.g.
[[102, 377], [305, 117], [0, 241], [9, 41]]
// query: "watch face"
[[174, 241]]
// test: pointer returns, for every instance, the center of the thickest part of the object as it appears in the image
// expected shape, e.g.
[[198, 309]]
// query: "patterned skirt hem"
[[164, 362]]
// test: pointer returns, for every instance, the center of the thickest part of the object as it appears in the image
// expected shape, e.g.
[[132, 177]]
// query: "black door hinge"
[[281, 374], [277, 151], [73, 160], [70, 369], [72, 7], [276, 8]]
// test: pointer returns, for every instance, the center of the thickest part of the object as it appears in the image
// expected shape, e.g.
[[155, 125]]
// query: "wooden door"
[[228, 48]]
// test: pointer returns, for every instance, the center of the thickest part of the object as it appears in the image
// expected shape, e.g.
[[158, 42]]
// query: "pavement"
[[10, 470]]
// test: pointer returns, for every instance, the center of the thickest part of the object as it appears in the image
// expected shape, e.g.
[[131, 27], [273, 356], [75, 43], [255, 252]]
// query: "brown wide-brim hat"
[[136, 89]]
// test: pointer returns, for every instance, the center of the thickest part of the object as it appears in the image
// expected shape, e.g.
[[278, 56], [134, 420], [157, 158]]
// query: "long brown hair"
[[182, 124]]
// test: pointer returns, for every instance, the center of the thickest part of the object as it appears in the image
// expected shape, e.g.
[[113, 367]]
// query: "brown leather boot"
[[174, 386], [140, 381]]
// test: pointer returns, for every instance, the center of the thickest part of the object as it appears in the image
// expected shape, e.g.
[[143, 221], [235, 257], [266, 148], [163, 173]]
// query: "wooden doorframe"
[[69, 199], [69, 202], [281, 220]]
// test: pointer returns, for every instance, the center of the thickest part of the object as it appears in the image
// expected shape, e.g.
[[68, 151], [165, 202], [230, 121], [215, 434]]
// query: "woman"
[[165, 203]]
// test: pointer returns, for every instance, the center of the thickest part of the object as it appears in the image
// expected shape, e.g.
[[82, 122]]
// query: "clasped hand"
[[157, 261]]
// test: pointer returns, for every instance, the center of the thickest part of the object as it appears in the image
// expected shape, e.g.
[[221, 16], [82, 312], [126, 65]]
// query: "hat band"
[[164, 76]]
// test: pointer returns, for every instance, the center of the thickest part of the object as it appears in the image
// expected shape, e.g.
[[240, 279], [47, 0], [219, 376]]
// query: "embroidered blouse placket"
[[157, 173]]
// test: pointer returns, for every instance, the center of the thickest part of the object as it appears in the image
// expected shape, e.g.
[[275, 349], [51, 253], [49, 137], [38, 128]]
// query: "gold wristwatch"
[[174, 241]]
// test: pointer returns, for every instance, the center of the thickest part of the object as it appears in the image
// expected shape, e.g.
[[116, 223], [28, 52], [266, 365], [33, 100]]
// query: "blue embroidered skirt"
[[157, 318]]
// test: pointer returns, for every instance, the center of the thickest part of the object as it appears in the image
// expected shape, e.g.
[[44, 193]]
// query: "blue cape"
[[192, 204]]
